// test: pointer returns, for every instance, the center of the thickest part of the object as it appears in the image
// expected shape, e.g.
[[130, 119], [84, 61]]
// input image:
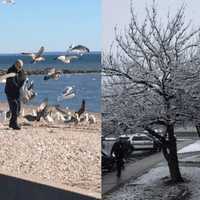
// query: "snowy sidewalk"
[[110, 182]]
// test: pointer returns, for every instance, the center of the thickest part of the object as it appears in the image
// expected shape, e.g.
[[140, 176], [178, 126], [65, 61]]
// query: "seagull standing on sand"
[[79, 49], [66, 58], [3, 115], [82, 108], [10, 2], [36, 57], [40, 112], [53, 74]]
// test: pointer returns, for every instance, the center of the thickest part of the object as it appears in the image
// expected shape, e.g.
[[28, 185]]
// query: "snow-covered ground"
[[185, 129], [195, 147], [152, 186], [194, 159]]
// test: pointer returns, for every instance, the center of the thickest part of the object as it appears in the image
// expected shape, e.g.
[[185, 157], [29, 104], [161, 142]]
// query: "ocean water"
[[86, 85], [90, 61]]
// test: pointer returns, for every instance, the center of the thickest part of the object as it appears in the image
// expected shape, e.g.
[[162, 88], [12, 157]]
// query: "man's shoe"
[[15, 126]]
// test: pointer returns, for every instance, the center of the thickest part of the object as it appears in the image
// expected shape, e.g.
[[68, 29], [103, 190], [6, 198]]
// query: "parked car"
[[107, 144], [107, 161], [127, 144], [142, 141]]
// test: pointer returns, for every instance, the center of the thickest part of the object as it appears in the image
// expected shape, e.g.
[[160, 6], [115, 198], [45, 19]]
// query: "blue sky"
[[27, 25]]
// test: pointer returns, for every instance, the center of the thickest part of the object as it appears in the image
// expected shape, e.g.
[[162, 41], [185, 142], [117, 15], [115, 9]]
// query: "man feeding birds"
[[12, 90]]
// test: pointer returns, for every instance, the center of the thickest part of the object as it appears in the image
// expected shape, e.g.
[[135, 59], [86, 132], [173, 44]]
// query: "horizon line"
[[46, 52]]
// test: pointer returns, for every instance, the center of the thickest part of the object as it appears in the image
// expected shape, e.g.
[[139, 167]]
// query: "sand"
[[64, 154]]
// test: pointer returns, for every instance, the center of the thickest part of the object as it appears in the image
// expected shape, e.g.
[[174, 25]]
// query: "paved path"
[[110, 181]]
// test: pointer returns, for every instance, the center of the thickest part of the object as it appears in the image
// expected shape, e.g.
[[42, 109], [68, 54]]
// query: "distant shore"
[[45, 71]]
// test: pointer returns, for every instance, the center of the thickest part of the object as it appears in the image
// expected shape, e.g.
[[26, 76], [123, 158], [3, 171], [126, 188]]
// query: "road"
[[134, 170]]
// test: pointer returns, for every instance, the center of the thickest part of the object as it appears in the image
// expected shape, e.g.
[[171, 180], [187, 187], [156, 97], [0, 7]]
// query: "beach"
[[59, 153]]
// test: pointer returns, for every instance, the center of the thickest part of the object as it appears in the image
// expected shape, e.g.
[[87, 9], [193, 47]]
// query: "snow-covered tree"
[[153, 78]]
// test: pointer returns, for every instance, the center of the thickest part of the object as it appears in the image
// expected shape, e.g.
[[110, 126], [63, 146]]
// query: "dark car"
[[108, 162]]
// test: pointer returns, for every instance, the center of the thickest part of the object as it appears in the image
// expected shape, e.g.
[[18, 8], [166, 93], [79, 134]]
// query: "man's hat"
[[20, 62]]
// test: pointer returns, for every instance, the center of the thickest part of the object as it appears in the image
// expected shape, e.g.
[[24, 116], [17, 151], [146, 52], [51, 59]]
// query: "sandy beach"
[[64, 154]]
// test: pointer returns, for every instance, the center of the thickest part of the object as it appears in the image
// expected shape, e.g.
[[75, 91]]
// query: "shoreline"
[[45, 71], [4, 104]]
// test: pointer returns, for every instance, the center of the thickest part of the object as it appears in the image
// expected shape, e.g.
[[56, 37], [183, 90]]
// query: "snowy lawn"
[[155, 186], [195, 147]]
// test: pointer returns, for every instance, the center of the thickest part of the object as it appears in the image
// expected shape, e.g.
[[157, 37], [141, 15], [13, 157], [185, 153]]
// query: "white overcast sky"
[[117, 12]]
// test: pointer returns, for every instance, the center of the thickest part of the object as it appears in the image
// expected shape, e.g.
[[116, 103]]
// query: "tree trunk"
[[172, 157], [198, 130]]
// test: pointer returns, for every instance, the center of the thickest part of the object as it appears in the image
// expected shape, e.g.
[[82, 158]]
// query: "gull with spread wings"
[[53, 74], [67, 93], [36, 57], [4, 77], [78, 49], [66, 58], [10, 2]]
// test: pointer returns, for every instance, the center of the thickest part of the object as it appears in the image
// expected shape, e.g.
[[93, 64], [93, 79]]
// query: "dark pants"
[[120, 166], [15, 106]]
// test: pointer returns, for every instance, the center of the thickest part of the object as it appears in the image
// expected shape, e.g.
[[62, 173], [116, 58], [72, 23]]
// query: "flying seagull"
[[36, 57], [53, 74], [10, 2], [66, 58], [67, 93], [27, 91], [79, 49], [4, 77]]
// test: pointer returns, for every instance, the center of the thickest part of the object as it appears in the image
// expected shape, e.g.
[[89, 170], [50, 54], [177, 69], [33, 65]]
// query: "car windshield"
[[141, 138], [104, 153], [124, 138]]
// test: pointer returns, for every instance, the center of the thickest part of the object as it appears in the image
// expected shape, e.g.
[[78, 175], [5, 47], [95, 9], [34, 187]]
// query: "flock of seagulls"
[[44, 110], [48, 112], [56, 113], [73, 53]]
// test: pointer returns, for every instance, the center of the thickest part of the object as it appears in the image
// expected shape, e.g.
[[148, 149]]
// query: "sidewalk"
[[110, 182]]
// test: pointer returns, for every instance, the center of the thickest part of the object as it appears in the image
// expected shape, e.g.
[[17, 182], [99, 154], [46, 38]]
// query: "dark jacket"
[[118, 149], [13, 84]]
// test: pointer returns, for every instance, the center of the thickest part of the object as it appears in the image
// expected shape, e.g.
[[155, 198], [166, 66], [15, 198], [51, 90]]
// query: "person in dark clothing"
[[118, 149], [12, 90]]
